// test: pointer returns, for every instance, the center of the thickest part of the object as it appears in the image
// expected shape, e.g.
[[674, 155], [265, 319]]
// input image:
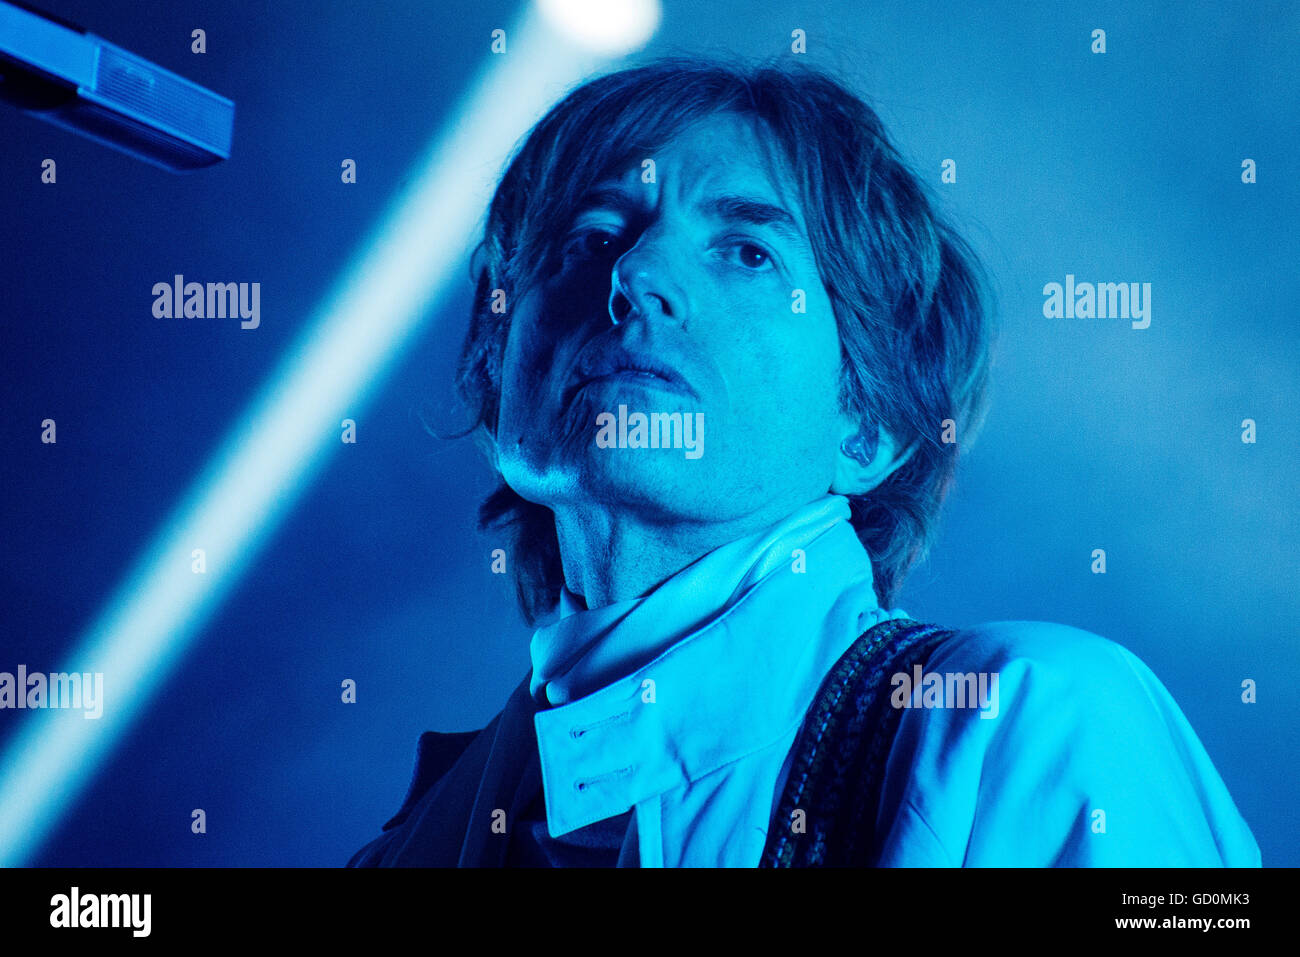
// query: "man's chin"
[[659, 481], [614, 476], [661, 470]]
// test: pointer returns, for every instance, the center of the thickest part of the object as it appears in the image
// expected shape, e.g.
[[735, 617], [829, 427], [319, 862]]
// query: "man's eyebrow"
[[605, 198], [743, 209], [755, 212]]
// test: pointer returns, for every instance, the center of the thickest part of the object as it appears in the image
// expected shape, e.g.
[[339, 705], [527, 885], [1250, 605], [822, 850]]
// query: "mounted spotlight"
[[74, 79]]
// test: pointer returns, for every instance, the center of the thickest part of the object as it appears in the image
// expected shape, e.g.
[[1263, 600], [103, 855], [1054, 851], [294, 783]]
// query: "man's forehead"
[[721, 154]]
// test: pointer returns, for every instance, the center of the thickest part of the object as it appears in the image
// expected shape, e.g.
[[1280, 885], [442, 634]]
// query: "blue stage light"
[[379, 303]]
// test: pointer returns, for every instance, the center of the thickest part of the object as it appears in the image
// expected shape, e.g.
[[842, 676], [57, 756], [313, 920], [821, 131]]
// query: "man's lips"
[[622, 365], [633, 376]]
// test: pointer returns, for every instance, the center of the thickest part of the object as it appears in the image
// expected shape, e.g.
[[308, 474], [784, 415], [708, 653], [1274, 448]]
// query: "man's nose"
[[643, 283]]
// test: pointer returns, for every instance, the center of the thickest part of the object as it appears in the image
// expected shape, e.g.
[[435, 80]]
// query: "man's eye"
[[588, 244], [749, 254]]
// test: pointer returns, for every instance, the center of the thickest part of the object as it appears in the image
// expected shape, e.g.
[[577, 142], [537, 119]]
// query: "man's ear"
[[852, 477]]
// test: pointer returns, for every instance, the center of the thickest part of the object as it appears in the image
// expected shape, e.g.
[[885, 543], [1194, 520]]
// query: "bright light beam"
[[266, 462]]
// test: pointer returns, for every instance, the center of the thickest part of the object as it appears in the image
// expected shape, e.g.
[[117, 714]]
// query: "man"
[[723, 354]]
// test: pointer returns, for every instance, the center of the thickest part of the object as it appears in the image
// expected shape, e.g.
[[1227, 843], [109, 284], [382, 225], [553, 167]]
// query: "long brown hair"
[[909, 295]]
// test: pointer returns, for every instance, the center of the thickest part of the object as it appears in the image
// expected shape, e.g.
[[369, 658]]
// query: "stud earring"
[[861, 448]]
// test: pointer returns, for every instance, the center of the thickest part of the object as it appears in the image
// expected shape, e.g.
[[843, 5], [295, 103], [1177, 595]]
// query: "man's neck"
[[611, 556]]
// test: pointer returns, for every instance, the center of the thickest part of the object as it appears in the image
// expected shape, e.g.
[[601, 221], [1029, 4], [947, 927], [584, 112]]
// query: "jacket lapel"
[[451, 825], [510, 768]]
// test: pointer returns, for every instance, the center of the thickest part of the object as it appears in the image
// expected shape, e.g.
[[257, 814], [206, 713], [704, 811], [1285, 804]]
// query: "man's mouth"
[[619, 364], [634, 376]]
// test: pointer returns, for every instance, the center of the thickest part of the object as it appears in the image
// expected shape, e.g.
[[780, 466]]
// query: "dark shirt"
[[596, 845], [462, 780]]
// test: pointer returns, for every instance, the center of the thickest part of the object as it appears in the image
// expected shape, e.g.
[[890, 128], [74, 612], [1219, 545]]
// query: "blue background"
[[1115, 167]]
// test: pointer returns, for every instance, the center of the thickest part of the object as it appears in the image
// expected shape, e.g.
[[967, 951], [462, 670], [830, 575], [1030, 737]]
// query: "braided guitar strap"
[[840, 753]]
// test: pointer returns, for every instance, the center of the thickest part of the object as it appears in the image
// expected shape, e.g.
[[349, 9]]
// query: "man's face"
[[677, 296]]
